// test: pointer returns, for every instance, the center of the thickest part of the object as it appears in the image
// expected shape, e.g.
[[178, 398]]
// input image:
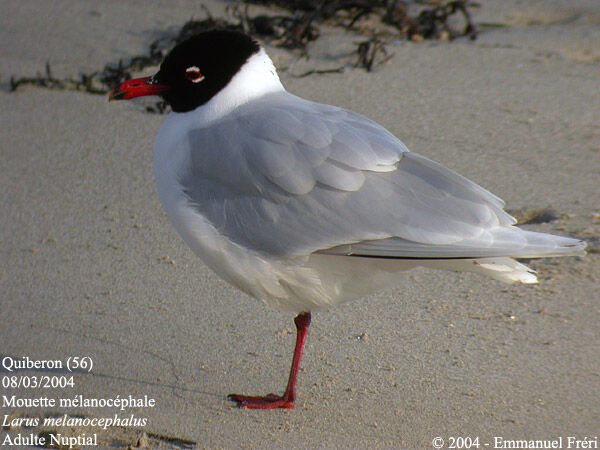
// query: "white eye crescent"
[[193, 74]]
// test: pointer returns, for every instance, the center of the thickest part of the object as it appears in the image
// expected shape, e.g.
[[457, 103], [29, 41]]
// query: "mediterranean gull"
[[304, 205]]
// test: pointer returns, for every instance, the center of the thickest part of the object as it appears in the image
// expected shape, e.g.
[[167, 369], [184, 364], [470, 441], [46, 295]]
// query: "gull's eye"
[[193, 74]]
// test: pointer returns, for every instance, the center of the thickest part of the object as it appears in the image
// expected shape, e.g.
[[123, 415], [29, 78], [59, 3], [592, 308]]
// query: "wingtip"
[[578, 248]]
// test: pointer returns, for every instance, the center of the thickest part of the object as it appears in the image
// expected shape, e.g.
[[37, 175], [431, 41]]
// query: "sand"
[[90, 266]]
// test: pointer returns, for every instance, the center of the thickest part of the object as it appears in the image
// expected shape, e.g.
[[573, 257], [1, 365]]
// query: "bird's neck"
[[256, 78]]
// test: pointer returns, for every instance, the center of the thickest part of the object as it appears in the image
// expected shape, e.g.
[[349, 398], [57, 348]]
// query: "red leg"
[[272, 401]]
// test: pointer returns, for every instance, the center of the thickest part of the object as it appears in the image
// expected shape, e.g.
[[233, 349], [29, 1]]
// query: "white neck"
[[256, 78]]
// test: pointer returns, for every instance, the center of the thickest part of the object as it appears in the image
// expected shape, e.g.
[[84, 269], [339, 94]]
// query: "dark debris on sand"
[[294, 28], [534, 216], [429, 22]]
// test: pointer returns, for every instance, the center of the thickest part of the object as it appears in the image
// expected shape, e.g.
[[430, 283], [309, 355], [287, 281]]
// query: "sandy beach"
[[91, 267]]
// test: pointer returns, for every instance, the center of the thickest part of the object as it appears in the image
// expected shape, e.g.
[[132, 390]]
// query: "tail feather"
[[502, 269]]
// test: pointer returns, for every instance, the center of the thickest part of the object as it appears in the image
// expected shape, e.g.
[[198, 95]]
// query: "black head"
[[198, 68], [195, 70]]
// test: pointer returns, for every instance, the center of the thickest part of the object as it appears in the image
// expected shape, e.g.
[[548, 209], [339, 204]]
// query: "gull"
[[304, 205]]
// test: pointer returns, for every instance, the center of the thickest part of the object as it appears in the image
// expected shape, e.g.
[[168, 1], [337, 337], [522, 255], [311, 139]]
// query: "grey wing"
[[288, 177]]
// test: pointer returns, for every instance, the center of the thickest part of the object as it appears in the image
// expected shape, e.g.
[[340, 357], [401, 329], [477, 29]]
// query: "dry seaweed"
[[367, 53], [430, 22], [319, 72], [86, 82]]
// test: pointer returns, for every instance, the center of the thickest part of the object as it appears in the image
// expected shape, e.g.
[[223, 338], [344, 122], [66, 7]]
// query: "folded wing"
[[288, 177]]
